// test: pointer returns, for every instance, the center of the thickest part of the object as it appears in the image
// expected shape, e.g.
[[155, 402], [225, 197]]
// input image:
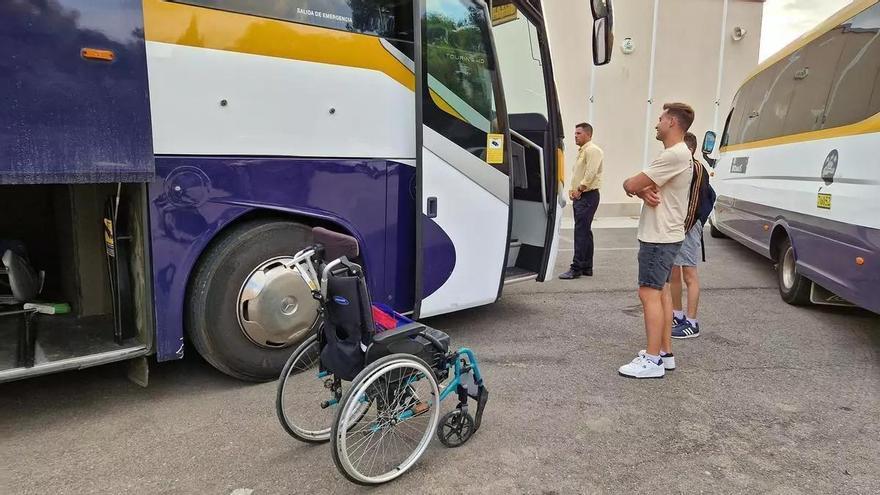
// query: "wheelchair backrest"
[[348, 320]]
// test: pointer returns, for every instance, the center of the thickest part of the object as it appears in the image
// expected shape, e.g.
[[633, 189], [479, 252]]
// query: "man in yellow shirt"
[[584, 194]]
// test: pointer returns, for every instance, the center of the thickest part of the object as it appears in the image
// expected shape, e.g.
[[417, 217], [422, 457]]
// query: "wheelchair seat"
[[426, 343], [350, 339]]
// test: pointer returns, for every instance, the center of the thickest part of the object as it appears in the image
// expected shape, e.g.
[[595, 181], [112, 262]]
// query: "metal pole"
[[648, 115], [592, 92], [720, 68]]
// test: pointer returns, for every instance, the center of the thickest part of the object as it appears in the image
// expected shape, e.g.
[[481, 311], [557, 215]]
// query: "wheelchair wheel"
[[301, 393], [456, 428], [384, 442]]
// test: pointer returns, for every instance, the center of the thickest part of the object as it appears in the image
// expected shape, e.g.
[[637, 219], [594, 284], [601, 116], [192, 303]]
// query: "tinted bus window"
[[857, 71], [751, 105], [812, 83], [734, 130], [385, 18], [461, 73], [778, 100], [725, 135]]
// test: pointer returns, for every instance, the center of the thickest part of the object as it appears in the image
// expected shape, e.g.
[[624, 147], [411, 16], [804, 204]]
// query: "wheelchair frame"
[[466, 381]]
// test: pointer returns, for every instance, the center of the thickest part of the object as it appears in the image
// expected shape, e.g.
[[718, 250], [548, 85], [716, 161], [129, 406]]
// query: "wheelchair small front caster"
[[455, 428]]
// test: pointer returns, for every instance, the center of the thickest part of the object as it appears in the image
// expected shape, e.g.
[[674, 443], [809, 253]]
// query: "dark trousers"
[[584, 210]]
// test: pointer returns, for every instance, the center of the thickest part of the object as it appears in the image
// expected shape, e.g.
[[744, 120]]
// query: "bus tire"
[[794, 288], [212, 315]]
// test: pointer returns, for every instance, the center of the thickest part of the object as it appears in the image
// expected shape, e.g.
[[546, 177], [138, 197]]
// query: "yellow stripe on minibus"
[[867, 126]]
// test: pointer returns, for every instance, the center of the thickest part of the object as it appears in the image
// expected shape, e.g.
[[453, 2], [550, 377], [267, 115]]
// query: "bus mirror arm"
[[709, 160]]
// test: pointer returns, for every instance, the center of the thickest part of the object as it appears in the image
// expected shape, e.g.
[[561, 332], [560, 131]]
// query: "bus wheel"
[[793, 287], [248, 308]]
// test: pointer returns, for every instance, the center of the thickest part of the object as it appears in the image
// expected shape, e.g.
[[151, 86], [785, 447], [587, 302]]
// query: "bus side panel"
[[830, 214], [214, 191], [826, 253], [826, 250], [74, 101]]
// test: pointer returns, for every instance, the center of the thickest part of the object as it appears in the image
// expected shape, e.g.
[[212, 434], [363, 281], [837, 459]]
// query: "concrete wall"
[[686, 63]]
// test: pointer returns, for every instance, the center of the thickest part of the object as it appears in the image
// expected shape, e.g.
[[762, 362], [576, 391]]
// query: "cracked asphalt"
[[770, 399]]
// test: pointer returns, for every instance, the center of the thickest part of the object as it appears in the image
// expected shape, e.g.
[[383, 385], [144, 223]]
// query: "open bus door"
[[462, 171], [488, 182]]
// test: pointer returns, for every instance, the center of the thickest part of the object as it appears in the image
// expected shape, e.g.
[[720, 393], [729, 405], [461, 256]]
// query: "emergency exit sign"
[[504, 13]]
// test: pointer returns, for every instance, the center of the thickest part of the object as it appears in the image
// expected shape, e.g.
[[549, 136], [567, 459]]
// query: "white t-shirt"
[[672, 172]]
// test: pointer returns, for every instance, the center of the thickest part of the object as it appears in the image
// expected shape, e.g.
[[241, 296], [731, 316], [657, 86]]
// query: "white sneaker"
[[668, 361], [642, 367]]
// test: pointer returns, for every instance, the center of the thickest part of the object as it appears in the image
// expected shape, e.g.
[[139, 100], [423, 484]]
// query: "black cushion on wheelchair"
[[336, 245], [429, 344]]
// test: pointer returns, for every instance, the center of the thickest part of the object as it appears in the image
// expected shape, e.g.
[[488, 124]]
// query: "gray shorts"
[[690, 248], [655, 263]]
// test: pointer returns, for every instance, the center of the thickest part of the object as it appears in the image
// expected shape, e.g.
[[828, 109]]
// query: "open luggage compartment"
[[62, 231]]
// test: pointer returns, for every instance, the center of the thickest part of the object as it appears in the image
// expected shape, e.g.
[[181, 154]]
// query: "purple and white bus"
[[162, 160]]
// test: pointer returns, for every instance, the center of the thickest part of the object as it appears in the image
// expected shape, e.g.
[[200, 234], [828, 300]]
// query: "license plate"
[[823, 201]]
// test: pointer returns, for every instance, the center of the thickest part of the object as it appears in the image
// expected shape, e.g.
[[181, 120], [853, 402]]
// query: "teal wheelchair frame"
[[379, 422]]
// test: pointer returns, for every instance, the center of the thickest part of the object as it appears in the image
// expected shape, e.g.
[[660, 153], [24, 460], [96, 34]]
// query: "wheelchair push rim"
[[384, 443], [301, 392]]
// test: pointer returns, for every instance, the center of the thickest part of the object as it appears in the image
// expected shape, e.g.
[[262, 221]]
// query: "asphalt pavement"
[[770, 398]]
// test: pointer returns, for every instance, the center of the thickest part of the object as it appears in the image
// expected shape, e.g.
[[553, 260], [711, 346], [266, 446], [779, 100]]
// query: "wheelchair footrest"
[[481, 403]]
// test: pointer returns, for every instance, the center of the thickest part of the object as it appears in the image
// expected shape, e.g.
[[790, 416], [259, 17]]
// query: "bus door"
[[462, 146], [535, 128]]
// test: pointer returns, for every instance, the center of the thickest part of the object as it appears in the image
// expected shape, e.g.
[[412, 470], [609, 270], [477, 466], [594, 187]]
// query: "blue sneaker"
[[686, 330], [676, 321]]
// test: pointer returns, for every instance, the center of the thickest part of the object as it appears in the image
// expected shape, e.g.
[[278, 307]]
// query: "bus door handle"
[[432, 207]]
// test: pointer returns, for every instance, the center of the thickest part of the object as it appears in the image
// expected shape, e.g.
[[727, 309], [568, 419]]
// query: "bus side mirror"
[[709, 147], [603, 33], [709, 142]]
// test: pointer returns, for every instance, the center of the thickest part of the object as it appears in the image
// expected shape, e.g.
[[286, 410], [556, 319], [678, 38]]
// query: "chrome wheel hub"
[[275, 307], [788, 269]]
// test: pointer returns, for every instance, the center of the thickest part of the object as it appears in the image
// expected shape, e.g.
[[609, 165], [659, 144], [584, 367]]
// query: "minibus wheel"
[[794, 288]]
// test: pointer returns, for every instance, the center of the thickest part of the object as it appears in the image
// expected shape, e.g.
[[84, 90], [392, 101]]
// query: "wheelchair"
[[368, 380]]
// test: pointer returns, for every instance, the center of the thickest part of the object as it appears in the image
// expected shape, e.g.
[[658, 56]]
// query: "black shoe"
[[569, 275], [587, 273]]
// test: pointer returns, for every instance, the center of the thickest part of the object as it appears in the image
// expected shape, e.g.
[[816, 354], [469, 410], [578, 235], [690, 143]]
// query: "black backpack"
[[701, 200]]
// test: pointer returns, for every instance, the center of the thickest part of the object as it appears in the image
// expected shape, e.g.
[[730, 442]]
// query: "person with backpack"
[[700, 202], [664, 190]]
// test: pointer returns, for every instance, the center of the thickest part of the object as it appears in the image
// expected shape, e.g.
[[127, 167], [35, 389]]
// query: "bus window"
[[857, 72], [461, 73], [813, 83], [752, 101], [386, 18], [519, 56], [777, 101], [734, 120]]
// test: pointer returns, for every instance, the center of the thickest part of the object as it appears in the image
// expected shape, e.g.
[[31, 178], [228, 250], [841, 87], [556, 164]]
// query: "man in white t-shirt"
[[664, 187]]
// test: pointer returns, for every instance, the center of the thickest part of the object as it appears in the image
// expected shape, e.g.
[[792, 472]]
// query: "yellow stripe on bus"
[[867, 126], [202, 27], [220, 30]]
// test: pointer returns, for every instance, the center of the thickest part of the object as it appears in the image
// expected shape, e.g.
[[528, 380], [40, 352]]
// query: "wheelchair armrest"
[[400, 332]]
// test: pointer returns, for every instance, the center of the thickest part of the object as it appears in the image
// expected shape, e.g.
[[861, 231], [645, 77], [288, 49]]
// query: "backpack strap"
[[694, 196], [703, 246]]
